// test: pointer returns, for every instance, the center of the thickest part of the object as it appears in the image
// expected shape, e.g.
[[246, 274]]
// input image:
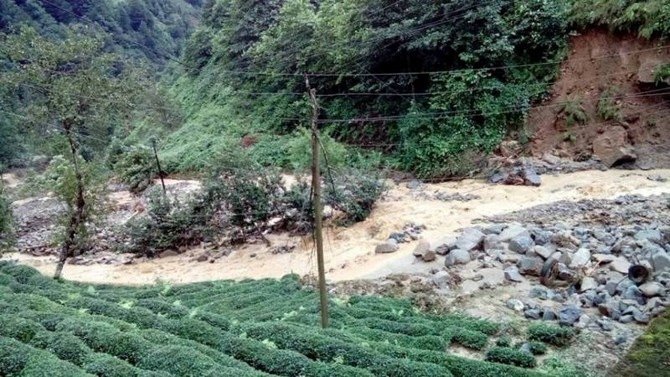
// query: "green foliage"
[[64, 345], [510, 356], [6, 222], [551, 334], [504, 341], [609, 105], [538, 348], [470, 339], [224, 328], [650, 18], [650, 352], [662, 73], [573, 112], [136, 167], [427, 127]]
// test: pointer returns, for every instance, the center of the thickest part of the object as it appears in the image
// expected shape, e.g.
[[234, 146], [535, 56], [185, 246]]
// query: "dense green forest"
[[428, 88]]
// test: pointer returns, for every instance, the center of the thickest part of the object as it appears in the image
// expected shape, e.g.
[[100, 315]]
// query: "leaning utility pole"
[[318, 212]]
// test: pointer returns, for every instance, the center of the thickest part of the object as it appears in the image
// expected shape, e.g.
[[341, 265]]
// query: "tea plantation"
[[248, 328]]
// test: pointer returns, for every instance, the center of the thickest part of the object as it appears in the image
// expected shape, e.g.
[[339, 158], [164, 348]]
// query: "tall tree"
[[76, 90]]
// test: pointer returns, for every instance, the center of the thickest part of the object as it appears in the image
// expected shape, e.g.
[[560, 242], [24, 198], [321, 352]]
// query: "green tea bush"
[[538, 348], [18, 359], [20, 272], [163, 308], [505, 355], [184, 361], [469, 339], [18, 328], [551, 334], [504, 341], [104, 365], [319, 347], [64, 345]]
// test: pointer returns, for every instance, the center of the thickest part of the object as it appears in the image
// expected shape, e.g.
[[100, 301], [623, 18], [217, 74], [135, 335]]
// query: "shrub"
[[183, 361], [45, 365], [13, 356], [163, 308], [505, 355], [504, 341], [19, 272], [551, 334], [608, 107], [537, 348], [64, 345], [6, 223], [104, 365], [354, 193], [573, 112], [470, 339], [136, 167], [18, 328]]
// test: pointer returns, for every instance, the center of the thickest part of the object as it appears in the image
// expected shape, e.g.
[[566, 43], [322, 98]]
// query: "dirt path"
[[350, 252]]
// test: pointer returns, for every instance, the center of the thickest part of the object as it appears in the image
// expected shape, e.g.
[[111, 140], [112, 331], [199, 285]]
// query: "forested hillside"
[[148, 29], [427, 88]]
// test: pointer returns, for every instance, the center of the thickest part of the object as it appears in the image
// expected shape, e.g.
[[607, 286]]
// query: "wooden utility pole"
[[158, 164], [316, 203]]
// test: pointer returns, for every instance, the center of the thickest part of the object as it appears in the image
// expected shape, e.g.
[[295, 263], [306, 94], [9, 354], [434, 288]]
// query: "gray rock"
[[651, 289], [515, 305], [542, 251], [513, 231], [580, 258], [620, 265], [386, 248], [587, 284], [491, 243], [604, 237], [492, 276], [530, 266], [642, 318], [568, 315], [457, 256], [540, 237], [605, 324], [652, 235], [548, 314], [634, 293], [649, 248], [660, 262], [413, 184], [610, 309], [421, 248], [494, 229], [441, 279], [429, 256], [583, 322], [532, 314], [620, 339], [395, 238], [538, 292], [470, 239], [525, 348], [512, 274], [628, 318], [521, 244], [531, 178]]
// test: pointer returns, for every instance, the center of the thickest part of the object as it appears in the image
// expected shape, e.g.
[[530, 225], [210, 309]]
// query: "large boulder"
[[612, 147], [457, 256], [470, 239]]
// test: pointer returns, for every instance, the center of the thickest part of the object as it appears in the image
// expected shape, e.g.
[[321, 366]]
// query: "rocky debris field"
[[599, 265]]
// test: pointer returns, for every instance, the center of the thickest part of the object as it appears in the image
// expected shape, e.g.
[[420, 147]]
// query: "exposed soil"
[[619, 67]]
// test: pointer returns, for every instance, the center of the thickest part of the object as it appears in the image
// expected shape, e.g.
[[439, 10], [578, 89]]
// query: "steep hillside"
[[148, 29], [608, 102]]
